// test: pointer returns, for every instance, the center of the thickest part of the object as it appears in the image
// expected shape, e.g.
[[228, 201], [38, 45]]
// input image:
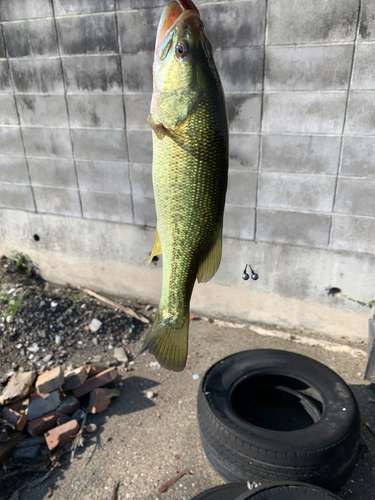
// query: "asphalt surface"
[[142, 442]]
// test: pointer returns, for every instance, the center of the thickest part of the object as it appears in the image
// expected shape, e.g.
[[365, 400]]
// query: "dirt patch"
[[43, 324]]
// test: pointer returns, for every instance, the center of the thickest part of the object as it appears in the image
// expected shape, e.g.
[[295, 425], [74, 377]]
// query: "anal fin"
[[211, 262], [156, 250]]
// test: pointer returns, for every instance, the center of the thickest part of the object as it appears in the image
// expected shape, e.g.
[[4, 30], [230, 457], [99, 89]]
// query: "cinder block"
[[13, 169], [361, 113], [239, 222], [305, 154], [308, 68], [91, 34], [367, 21], [358, 157], [90, 74], [234, 24], [291, 22], [39, 76], [105, 111], [294, 228], [24, 9], [100, 144], [52, 172], [107, 206], [57, 201], [11, 141], [48, 142], [244, 112], [103, 176], [356, 197], [363, 72], [31, 38], [137, 72], [5, 81], [243, 151], [8, 114], [242, 187], [137, 29], [16, 196], [67, 7], [140, 146], [304, 112], [42, 110], [296, 192], [137, 108], [354, 234], [240, 69], [2, 46], [144, 211], [141, 176]]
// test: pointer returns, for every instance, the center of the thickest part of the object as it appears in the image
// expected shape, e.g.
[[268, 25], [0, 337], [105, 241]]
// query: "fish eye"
[[182, 50]]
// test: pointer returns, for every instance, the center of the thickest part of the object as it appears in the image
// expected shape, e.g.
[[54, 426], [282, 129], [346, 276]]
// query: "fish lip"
[[188, 9]]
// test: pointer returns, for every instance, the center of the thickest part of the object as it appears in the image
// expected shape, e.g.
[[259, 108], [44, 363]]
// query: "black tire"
[[321, 448], [296, 491], [223, 492]]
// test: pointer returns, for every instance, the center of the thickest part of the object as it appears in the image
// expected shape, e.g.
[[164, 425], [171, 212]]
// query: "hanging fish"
[[190, 169]]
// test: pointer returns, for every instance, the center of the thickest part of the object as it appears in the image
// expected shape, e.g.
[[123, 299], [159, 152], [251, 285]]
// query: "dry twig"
[[124, 309]]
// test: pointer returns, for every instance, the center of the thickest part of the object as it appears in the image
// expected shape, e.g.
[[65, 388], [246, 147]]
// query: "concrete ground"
[[141, 442]]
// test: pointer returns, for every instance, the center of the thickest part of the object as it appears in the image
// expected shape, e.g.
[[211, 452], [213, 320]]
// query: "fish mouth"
[[174, 12]]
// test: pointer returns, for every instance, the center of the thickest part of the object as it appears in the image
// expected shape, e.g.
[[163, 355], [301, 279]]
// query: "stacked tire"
[[268, 416]]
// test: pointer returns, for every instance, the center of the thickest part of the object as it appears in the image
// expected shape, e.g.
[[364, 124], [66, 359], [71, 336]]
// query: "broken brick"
[[13, 417], [93, 370], [99, 380], [50, 381], [61, 435], [74, 378], [100, 399], [69, 405], [40, 425], [43, 405]]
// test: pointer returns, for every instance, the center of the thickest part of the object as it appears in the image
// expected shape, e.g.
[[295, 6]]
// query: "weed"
[[14, 305], [73, 301], [23, 263]]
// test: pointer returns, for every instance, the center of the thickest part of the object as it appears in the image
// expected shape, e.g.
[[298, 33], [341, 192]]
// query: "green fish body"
[[190, 169]]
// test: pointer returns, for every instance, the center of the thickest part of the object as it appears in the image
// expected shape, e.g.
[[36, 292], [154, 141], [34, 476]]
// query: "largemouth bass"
[[190, 169]]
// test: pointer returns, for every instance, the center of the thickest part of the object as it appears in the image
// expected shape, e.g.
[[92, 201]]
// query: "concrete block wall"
[[299, 79]]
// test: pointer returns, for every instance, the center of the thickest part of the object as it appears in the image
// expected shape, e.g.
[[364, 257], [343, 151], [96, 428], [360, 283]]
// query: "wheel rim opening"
[[277, 402]]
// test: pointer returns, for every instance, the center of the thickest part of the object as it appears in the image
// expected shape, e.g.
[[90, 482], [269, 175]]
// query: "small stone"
[[50, 381], [9, 318], [43, 405], [95, 325], [58, 339], [41, 363], [91, 428], [100, 399], [110, 347], [74, 378], [18, 346], [61, 435], [131, 362], [120, 354], [47, 358], [195, 377], [150, 394], [99, 380], [42, 303], [33, 348], [95, 340], [18, 386], [54, 304], [154, 364]]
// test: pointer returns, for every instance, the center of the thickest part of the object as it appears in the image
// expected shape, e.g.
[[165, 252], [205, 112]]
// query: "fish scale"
[[190, 165]]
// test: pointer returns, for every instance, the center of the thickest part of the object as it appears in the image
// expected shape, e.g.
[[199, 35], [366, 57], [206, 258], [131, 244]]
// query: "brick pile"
[[47, 409]]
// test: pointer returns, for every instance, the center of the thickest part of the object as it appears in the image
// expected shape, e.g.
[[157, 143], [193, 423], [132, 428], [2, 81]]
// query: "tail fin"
[[169, 345]]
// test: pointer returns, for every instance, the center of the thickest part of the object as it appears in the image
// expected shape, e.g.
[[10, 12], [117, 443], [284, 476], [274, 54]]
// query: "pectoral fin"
[[210, 264], [156, 249]]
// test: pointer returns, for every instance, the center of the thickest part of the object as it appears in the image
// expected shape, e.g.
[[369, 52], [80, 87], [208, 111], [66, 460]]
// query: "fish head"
[[181, 47]]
